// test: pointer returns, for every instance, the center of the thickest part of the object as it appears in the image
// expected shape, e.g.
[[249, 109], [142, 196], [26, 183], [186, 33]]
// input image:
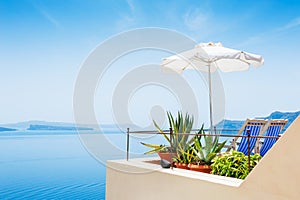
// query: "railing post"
[[171, 136], [171, 144], [127, 145], [248, 137]]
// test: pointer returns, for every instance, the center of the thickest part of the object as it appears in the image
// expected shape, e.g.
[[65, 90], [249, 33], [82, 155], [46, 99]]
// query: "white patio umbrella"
[[209, 57]]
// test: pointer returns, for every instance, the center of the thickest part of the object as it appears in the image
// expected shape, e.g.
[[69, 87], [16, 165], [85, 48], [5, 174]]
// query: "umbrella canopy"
[[209, 57]]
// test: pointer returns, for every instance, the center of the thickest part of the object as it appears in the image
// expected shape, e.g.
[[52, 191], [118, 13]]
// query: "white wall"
[[277, 176]]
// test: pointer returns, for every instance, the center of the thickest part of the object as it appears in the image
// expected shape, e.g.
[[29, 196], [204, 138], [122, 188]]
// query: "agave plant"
[[179, 139], [205, 153], [186, 155]]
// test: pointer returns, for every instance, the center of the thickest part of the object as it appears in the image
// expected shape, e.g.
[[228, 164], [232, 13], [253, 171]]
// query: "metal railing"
[[170, 133]]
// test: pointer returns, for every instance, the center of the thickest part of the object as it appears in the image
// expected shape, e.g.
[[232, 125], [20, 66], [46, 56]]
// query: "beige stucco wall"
[[277, 176], [278, 172]]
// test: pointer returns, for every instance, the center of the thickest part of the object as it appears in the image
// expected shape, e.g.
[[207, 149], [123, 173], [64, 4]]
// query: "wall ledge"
[[148, 165]]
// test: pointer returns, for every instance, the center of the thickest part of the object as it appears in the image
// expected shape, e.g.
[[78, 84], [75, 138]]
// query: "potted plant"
[[234, 164], [180, 163], [184, 157], [204, 153], [179, 139], [164, 152]]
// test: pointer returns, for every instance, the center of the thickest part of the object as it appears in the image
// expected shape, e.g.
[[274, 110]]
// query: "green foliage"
[[234, 164], [180, 126], [155, 148], [205, 153], [185, 155], [179, 139]]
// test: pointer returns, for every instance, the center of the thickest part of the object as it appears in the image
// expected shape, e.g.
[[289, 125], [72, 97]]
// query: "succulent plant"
[[206, 152], [178, 140]]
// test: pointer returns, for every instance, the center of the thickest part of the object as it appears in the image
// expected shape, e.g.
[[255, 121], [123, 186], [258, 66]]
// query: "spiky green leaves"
[[179, 139], [208, 150]]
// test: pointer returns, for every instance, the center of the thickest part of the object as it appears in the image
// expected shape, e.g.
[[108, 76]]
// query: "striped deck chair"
[[255, 127], [274, 128]]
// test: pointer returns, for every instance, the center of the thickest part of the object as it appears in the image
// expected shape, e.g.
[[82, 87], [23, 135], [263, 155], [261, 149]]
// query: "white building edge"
[[277, 176]]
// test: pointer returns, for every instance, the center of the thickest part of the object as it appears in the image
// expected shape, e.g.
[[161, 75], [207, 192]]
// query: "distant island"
[[7, 129], [33, 127], [45, 125], [237, 124], [61, 126]]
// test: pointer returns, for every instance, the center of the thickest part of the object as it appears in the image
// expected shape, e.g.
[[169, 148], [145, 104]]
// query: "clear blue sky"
[[44, 42]]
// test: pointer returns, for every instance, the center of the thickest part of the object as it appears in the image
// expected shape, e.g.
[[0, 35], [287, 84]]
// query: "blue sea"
[[55, 164]]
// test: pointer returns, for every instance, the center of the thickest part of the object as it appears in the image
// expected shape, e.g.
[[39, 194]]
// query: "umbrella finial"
[[210, 44]]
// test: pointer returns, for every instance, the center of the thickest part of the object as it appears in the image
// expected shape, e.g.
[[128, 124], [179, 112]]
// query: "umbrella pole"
[[210, 99]]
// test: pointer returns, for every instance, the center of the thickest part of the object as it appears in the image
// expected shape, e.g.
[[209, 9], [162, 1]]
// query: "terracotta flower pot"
[[200, 168], [181, 165], [167, 156]]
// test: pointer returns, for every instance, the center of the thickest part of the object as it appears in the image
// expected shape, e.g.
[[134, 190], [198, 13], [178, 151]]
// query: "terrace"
[[275, 177]]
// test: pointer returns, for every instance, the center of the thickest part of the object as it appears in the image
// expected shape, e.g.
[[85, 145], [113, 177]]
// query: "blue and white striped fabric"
[[254, 131], [269, 142]]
